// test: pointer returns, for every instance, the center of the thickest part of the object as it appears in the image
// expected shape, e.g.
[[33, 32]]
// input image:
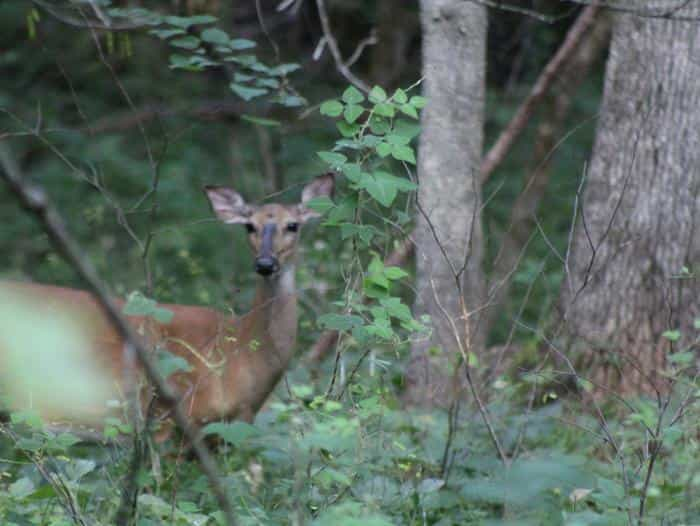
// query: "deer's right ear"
[[228, 205]]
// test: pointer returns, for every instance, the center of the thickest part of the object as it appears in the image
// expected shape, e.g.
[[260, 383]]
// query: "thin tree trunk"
[[638, 228], [448, 232]]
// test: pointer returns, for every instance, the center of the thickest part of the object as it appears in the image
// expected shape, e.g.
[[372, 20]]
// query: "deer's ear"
[[321, 186], [228, 205]]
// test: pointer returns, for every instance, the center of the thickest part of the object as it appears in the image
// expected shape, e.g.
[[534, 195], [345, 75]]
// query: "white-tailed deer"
[[235, 362]]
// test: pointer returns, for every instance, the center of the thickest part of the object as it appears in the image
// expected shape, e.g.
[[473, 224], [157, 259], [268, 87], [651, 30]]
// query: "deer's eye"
[[250, 227], [292, 227]]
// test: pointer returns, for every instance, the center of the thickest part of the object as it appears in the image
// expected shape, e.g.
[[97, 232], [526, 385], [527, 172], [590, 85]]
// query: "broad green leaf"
[[383, 149], [353, 96], [397, 140], [377, 94], [340, 322], [379, 125], [215, 36], [21, 488], [396, 309], [168, 363], [418, 102], [347, 130], [233, 433], [352, 112], [395, 273], [188, 42], [682, 358], [320, 204], [406, 128], [245, 92], [267, 83], [408, 110], [384, 109], [332, 158], [331, 108], [402, 184], [353, 172], [673, 336], [400, 96], [239, 44], [403, 153], [284, 69], [166, 33]]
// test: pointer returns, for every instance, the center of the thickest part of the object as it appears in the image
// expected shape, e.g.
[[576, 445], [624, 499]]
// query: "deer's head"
[[273, 229]]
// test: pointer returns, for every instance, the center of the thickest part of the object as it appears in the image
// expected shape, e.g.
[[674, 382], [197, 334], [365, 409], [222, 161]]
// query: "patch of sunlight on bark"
[[45, 361]]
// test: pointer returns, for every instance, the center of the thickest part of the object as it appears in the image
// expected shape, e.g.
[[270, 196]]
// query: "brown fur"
[[235, 362]]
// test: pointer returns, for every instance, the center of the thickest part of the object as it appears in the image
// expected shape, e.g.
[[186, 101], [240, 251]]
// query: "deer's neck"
[[272, 321]]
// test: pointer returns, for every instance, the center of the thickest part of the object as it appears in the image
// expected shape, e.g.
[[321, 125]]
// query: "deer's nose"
[[266, 265]]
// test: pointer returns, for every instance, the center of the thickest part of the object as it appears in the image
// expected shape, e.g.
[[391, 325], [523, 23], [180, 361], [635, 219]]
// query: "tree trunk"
[[454, 38], [637, 231]]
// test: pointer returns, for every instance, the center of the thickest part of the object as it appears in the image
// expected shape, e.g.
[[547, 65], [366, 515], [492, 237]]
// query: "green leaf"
[[682, 358], [21, 488], [406, 128], [340, 322], [696, 323], [403, 153], [169, 363], [383, 149], [185, 22], [400, 96], [402, 184], [673, 336], [397, 140], [353, 96], [188, 42], [291, 101], [377, 94], [384, 109], [320, 204], [418, 102], [247, 93], [332, 158], [238, 44], [347, 130], [261, 121], [284, 69], [164, 34], [242, 77], [352, 112], [408, 110], [379, 125], [353, 172], [331, 108], [234, 433], [380, 189], [394, 273], [215, 36], [396, 309], [268, 83]]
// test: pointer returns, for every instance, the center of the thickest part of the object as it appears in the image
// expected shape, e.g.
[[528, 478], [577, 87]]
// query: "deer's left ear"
[[321, 186]]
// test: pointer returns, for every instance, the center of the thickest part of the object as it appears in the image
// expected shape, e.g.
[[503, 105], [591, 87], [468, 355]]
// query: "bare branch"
[[36, 202], [332, 43], [573, 39]]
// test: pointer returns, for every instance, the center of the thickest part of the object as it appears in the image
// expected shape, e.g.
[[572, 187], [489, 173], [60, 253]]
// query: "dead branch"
[[573, 39], [36, 202], [332, 43]]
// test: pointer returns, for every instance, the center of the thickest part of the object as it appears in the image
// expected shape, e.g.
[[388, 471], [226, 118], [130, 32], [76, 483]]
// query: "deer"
[[234, 362]]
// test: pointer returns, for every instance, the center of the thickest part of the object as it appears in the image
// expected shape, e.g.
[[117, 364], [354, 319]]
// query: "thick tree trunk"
[[638, 228], [454, 37]]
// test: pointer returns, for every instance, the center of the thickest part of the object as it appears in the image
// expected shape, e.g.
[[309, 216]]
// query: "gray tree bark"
[[448, 234], [640, 210]]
